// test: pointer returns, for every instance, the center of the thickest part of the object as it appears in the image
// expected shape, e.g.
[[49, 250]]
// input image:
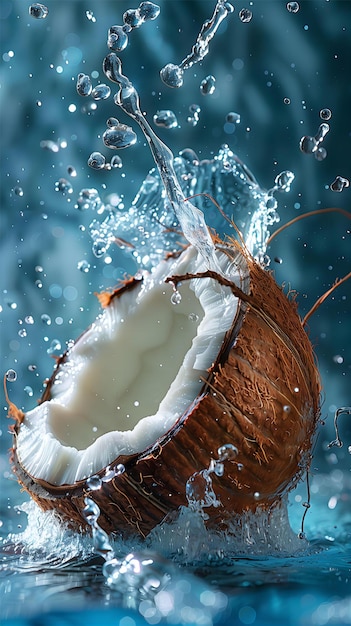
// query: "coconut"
[[180, 362]]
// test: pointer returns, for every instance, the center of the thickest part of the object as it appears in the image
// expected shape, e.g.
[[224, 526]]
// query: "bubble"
[[83, 266], [116, 161], [84, 86], [325, 114], [55, 346], [165, 119], [172, 75], [46, 319], [28, 390], [232, 118], [22, 332], [118, 137], [18, 191], [320, 153], [101, 92], [39, 11], [287, 101], [208, 85], [96, 161], [245, 15], [293, 7], [99, 248], [94, 483], [11, 376], [322, 131], [308, 145], [176, 297], [63, 186], [227, 452], [339, 184]]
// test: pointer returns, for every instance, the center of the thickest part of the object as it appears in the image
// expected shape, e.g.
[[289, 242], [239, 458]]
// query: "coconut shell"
[[261, 395]]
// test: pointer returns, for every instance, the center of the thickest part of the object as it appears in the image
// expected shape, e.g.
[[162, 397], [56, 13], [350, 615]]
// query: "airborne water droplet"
[[46, 319], [339, 184], [245, 15], [99, 248], [293, 7], [94, 483], [39, 11], [83, 266], [96, 161], [208, 85], [11, 376], [84, 86], [55, 346], [101, 92], [118, 137], [232, 118], [172, 75], [325, 114], [320, 154], [117, 38], [176, 297], [166, 119], [227, 452], [308, 145]]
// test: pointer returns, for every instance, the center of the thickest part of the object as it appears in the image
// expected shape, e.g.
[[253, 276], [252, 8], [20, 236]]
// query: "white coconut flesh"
[[133, 373]]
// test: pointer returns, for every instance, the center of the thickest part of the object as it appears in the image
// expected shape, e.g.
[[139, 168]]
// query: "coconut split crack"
[[181, 361]]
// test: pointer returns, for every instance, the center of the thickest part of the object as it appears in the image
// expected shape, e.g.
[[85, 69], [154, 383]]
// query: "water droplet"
[[208, 85], [339, 184], [193, 317], [166, 119], [121, 136], [71, 171], [286, 100], [232, 118], [55, 346], [101, 92], [28, 390], [308, 145], [149, 10], [99, 248], [22, 332], [116, 161], [94, 483], [89, 199], [320, 153], [293, 7], [284, 180], [109, 475], [301, 535], [11, 376], [219, 469], [176, 297], [195, 111], [83, 266], [90, 15], [322, 131], [120, 469], [84, 86], [172, 75], [286, 408], [325, 114], [245, 15], [132, 18], [46, 319], [227, 452], [96, 161], [91, 511], [48, 144], [18, 191], [32, 368], [63, 186], [38, 284], [39, 11], [117, 38]]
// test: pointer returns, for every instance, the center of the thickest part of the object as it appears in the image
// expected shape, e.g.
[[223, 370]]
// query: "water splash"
[[172, 75]]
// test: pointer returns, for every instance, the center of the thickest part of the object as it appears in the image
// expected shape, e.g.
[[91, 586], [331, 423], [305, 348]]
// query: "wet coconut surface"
[[257, 570]]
